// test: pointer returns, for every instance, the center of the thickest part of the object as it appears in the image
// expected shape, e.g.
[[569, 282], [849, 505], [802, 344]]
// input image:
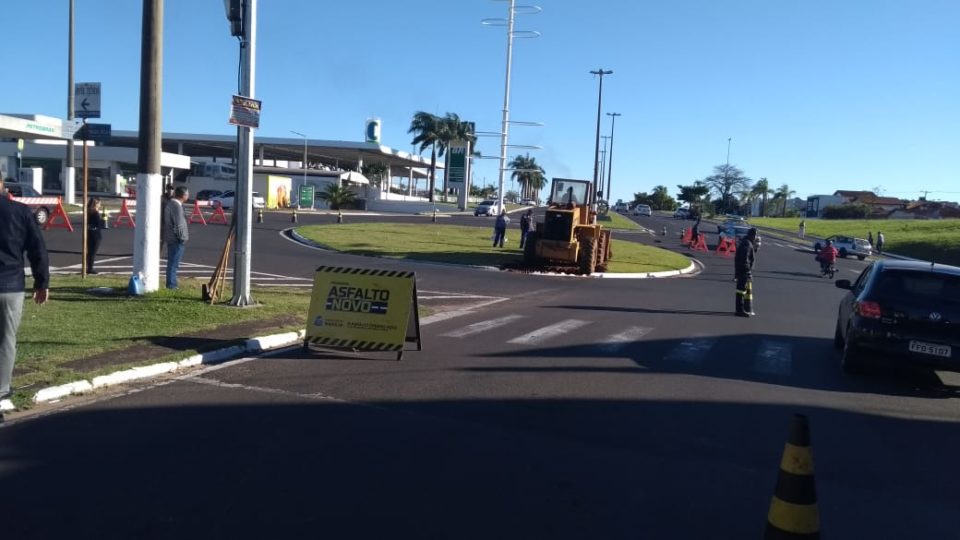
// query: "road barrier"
[[727, 247], [793, 511], [197, 215], [700, 244], [57, 219], [686, 236], [124, 219]]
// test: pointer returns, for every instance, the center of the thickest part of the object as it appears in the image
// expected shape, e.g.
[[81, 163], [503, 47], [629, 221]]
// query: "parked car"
[[848, 245], [642, 210], [620, 207], [486, 208], [207, 194], [905, 311], [226, 200], [731, 223], [41, 212], [681, 213], [528, 202]]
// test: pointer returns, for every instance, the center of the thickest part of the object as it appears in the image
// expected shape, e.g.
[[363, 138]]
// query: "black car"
[[905, 311]]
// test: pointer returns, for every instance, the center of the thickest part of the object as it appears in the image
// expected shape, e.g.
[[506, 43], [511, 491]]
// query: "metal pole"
[[505, 125], [304, 163], [610, 155], [86, 196], [69, 187], [596, 151], [603, 162], [146, 246], [244, 208]]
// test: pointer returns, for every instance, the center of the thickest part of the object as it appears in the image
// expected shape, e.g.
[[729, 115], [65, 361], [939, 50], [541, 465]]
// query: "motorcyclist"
[[827, 256]]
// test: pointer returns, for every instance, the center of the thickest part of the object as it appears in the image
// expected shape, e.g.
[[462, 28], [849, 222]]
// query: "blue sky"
[[820, 95]]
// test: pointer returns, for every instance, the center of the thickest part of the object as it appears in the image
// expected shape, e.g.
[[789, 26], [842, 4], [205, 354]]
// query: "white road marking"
[[854, 270], [482, 326], [447, 315], [620, 340], [691, 351], [779, 244], [548, 332], [773, 358]]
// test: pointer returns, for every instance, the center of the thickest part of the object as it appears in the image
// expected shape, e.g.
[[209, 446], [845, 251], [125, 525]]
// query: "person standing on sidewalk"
[[19, 234], [880, 240], [803, 228], [743, 271], [526, 221], [500, 228], [94, 231], [175, 233]]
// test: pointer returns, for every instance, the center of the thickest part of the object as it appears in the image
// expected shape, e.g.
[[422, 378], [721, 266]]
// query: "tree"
[[529, 174], [783, 194], [337, 196], [427, 128], [726, 180], [660, 199], [762, 189], [693, 194], [375, 172]]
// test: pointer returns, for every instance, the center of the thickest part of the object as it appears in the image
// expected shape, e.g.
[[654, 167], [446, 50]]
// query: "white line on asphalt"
[[691, 351], [482, 326], [446, 315], [548, 332], [773, 358], [854, 270], [620, 340], [449, 297], [779, 244]]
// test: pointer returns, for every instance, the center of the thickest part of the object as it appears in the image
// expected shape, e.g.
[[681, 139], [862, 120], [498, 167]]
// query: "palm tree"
[[337, 196], [783, 193], [762, 189], [427, 128], [529, 175]]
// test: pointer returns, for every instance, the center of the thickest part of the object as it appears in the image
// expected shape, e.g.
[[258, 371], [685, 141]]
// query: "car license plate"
[[930, 348]]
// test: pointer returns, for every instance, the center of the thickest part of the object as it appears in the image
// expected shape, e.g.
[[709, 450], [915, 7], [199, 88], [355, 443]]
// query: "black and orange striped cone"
[[793, 510], [259, 215], [294, 218]]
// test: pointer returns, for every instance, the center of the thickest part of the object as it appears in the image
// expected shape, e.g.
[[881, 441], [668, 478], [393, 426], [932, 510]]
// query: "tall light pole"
[[613, 124], [596, 151], [513, 10], [297, 194], [69, 173], [603, 161]]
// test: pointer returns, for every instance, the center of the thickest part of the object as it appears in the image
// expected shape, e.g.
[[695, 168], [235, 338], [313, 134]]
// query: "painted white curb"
[[649, 275], [255, 345], [62, 391], [6, 405]]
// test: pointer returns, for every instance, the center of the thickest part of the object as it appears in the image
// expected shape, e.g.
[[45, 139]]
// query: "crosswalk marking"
[[618, 341], [691, 351], [482, 326], [548, 332], [773, 358]]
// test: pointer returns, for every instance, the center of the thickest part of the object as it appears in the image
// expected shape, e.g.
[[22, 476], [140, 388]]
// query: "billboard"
[[279, 191]]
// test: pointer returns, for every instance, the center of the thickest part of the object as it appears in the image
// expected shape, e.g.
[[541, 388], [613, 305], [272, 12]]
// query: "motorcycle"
[[828, 270]]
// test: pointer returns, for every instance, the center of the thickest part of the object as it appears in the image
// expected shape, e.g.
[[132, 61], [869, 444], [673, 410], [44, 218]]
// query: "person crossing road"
[[743, 271]]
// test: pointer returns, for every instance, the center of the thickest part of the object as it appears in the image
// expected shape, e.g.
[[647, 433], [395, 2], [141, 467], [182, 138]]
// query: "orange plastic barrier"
[[700, 244], [53, 222], [726, 247], [124, 219], [197, 215], [687, 236], [218, 215]]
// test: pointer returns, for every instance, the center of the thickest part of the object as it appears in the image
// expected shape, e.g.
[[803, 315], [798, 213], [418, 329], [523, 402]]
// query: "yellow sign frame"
[[363, 309]]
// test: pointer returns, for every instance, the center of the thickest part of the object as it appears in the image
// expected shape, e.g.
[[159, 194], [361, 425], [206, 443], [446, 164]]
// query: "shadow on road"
[[274, 466]]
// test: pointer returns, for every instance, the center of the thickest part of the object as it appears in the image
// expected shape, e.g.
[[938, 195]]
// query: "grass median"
[[91, 327], [467, 246], [932, 240], [618, 222]]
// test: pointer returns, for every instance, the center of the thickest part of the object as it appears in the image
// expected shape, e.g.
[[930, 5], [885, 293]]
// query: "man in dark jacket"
[[18, 234], [743, 268], [526, 221], [175, 233]]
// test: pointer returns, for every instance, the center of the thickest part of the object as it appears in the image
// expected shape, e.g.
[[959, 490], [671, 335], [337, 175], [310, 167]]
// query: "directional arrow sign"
[[88, 96]]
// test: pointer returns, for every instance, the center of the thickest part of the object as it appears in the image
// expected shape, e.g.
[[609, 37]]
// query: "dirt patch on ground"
[[150, 347]]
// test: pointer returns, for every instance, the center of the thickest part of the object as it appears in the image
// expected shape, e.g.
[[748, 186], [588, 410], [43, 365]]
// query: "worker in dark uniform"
[[744, 273]]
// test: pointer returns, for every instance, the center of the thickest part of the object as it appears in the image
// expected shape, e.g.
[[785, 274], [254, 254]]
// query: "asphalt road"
[[541, 407]]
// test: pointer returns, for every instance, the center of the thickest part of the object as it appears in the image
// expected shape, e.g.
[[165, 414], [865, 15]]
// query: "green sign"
[[457, 174], [307, 194]]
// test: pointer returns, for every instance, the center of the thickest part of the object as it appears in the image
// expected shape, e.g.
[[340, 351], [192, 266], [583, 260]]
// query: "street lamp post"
[[297, 192], [596, 151], [603, 160], [613, 123]]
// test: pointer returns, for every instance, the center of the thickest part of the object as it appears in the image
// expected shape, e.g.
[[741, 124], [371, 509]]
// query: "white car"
[[848, 246], [487, 208], [225, 200], [642, 210]]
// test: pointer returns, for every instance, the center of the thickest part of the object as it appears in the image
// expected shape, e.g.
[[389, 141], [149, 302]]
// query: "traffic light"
[[234, 9]]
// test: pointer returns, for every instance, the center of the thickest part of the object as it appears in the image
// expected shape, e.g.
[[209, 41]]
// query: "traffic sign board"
[[87, 100], [99, 133]]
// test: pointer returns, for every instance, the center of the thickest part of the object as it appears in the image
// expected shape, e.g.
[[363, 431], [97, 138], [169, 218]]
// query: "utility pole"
[[596, 150], [69, 173], [603, 159], [613, 124], [146, 245], [244, 208]]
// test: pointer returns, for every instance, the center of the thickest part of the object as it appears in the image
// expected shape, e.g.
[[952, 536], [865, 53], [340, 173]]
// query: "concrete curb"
[[653, 275], [251, 346]]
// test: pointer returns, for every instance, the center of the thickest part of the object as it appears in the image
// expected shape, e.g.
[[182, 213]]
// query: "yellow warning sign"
[[363, 309]]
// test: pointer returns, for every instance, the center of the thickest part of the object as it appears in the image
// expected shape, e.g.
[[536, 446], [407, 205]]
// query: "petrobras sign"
[[459, 160], [372, 130]]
